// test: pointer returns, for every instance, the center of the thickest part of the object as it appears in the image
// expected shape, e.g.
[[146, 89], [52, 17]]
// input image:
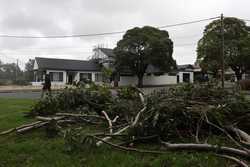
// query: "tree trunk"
[[140, 81], [238, 76], [116, 79]]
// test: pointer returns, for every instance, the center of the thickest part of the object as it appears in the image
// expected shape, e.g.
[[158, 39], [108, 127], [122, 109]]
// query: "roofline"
[[68, 69], [61, 59]]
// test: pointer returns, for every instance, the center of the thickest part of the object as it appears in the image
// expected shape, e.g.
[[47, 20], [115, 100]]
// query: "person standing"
[[46, 85]]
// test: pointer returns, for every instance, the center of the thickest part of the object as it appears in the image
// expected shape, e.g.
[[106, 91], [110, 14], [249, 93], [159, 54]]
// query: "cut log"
[[206, 148], [7, 131], [182, 147], [48, 118], [31, 127]]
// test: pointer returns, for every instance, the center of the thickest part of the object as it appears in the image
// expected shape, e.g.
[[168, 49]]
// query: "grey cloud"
[[64, 17]]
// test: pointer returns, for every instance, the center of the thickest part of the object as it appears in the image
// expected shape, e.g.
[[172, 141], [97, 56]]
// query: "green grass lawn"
[[35, 149]]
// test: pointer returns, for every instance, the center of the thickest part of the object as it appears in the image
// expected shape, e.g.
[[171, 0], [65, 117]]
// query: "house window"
[[56, 76], [85, 76], [99, 77]]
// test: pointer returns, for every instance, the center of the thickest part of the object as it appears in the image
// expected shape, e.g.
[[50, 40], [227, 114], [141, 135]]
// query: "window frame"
[[89, 76], [52, 76]]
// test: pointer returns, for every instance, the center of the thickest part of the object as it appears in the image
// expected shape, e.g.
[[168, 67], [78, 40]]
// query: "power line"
[[185, 23], [101, 34]]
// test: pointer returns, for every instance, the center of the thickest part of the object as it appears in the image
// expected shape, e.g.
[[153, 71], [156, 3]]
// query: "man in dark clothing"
[[46, 85]]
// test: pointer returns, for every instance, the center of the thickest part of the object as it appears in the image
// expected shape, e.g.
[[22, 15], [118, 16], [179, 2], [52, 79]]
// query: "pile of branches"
[[191, 113]]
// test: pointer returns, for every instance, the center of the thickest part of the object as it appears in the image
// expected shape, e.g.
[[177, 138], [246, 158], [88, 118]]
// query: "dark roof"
[[66, 64], [185, 66], [108, 52]]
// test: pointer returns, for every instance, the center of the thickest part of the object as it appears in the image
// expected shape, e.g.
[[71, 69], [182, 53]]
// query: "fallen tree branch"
[[243, 135], [206, 147], [180, 147], [115, 119], [142, 99], [237, 161], [126, 148], [31, 127], [225, 132], [7, 131], [109, 122], [134, 123], [48, 118], [138, 116], [20, 127], [107, 138]]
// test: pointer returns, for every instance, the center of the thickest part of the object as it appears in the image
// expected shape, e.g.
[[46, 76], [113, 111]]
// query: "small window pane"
[[84, 76], [56, 76]]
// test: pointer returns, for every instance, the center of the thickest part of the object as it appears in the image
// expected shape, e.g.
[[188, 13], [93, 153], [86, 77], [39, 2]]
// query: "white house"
[[64, 71]]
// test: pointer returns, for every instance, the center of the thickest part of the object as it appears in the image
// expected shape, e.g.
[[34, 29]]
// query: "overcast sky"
[[65, 17]]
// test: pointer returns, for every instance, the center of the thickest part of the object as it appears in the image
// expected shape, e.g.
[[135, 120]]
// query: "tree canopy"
[[141, 47], [236, 46]]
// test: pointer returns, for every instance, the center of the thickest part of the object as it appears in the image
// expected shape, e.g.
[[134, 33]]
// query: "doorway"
[[186, 77]]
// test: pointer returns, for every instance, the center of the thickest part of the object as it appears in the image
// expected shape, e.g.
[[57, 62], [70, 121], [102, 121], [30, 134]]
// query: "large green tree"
[[236, 46], [141, 47]]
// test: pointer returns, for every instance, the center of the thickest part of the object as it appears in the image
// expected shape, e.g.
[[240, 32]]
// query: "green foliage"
[[236, 46], [34, 149], [107, 73], [141, 47], [175, 112], [88, 99], [76, 140], [92, 99], [45, 106], [128, 92]]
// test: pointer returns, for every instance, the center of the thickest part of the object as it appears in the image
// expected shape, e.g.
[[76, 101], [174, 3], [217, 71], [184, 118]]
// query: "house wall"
[[127, 80], [160, 80], [149, 80], [35, 65]]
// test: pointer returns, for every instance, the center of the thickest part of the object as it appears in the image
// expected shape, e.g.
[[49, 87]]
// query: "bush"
[[179, 109], [91, 98]]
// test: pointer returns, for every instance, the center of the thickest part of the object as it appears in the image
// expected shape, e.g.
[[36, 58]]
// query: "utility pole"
[[222, 53]]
